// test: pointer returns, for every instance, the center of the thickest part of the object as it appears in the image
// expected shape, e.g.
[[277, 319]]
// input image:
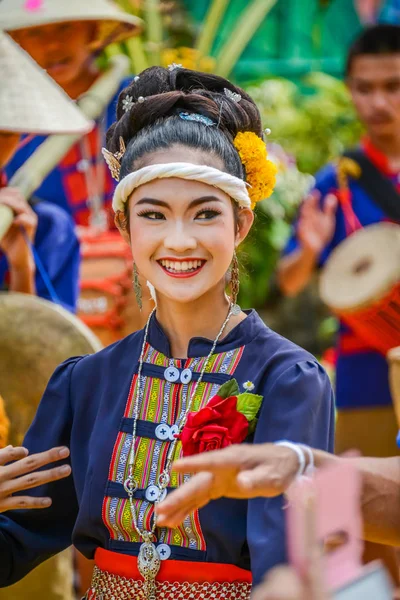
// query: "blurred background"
[[289, 55]]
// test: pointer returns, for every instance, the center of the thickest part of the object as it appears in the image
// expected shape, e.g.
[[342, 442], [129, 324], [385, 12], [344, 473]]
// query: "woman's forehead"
[[177, 192]]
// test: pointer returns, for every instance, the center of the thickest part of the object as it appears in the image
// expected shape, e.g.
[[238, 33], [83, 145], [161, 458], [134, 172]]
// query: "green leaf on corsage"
[[249, 405], [228, 389]]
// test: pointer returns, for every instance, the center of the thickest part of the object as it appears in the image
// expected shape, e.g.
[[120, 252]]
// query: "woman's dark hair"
[[152, 122], [377, 39]]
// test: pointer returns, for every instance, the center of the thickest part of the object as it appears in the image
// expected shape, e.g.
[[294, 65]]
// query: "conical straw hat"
[[113, 24], [30, 101]]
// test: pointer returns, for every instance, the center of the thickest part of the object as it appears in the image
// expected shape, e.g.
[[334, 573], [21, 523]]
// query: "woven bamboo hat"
[[30, 101], [113, 24]]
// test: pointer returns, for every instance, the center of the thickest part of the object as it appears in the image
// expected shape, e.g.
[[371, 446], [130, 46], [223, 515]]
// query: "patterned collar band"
[[233, 186]]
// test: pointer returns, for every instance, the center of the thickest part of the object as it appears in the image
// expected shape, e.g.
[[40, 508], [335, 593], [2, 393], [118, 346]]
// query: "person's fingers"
[[311, 203], [262, 481], [280, 583], [192, 495], [22, 502], [330, 204], [26, 220], [14, 201], [27, 224], [233, 457], [33, 480], [10, 453], [32, 463]]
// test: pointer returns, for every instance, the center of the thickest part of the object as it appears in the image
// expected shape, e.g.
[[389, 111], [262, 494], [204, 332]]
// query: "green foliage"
[[249, 405], [228, 389], [314, 123]]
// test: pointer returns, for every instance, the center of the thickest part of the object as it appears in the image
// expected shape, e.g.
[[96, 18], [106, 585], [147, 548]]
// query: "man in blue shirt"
[[365, 414], [366, 419]]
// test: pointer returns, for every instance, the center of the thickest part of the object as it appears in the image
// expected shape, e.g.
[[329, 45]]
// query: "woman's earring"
[[137, 288], [235, 284]]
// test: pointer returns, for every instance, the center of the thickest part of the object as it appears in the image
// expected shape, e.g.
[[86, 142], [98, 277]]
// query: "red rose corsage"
[[227, 419]]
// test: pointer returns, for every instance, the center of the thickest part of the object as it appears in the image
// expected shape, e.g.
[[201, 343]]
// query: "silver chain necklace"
[[148, 559]]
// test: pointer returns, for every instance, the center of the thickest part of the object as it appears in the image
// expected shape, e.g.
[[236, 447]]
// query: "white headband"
[[233, 186]]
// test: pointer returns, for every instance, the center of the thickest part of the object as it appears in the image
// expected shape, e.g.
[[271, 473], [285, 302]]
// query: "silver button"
[[173, 430], [186, 376], [164, 551], [153, 493], [163, 432], [171, 374]]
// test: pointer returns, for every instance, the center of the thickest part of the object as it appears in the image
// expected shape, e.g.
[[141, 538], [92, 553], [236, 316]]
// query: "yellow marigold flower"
[[260, 172]]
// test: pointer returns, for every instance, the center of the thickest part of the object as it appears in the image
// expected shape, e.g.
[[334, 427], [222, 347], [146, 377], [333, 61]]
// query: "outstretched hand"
[[18, 473], [239, 471], [316, 224], [282, 583]]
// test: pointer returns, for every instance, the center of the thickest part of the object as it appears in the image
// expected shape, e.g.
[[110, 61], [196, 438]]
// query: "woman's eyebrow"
[[193, 203]]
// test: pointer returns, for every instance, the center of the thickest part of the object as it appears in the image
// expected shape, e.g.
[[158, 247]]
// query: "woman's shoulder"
[[275, 355], [111, 361]]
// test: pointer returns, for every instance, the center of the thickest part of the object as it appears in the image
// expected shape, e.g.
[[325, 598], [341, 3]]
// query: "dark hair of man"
[[375, 40]]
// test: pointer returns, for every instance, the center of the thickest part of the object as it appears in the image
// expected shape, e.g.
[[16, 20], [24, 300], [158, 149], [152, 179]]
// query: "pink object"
[[32, 5], [328, 504]]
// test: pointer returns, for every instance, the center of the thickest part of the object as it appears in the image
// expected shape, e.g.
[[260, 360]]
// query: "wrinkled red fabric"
[[217, 425]]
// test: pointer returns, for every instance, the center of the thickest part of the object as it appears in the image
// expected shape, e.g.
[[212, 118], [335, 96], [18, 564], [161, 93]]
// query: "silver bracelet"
[[299, 451], [311, 465]]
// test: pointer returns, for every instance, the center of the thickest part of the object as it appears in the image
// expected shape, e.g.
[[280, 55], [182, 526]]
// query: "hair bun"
[[158, 93]]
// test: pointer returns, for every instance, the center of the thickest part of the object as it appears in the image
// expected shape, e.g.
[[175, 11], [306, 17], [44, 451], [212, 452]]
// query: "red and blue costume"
[[362, 373]]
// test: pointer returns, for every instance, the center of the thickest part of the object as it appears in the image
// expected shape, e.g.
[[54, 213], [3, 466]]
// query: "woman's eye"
[[206, 215], [152, 215]]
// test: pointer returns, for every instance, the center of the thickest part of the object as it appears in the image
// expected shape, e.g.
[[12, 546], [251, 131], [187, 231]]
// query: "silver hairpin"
[[127, 103], [232, 95], [174, 66], [196, 117]]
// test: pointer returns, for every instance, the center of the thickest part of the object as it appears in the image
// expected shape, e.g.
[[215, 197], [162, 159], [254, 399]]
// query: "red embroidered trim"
[[172, 570]]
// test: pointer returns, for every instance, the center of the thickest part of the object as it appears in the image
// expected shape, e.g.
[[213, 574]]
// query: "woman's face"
[[183, 233]]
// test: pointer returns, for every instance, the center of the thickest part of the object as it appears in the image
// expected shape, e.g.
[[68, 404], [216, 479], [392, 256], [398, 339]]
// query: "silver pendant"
[[149, 566], [235, 310]]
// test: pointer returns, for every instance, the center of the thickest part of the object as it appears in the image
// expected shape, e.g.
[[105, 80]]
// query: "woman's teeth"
[[181, 266]]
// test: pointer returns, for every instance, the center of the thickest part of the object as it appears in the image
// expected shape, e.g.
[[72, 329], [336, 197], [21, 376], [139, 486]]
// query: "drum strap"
[[377, 185]]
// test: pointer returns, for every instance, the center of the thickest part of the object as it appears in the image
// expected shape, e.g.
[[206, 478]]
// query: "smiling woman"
[[187, 150]]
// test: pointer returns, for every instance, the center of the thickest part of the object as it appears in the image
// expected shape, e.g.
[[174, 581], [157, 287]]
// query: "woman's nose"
[[180, 239]]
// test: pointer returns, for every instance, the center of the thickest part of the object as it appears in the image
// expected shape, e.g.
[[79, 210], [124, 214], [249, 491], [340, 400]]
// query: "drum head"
[[35, 337], [363, 268]]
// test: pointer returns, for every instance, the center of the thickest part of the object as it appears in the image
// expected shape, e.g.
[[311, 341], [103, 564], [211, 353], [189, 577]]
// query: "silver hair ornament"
[[232, 95], [174, 66], [196, 117], [127, 103]]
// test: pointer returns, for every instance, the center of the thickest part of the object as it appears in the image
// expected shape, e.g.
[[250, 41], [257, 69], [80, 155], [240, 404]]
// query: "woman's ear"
[[245, 221], [122, 224]]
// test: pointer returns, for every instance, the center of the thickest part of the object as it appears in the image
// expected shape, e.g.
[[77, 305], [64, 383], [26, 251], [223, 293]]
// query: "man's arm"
[[16, 242], [295, 271], [248, 471]]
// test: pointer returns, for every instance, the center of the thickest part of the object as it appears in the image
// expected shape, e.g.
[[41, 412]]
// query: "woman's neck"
[[201, 318]]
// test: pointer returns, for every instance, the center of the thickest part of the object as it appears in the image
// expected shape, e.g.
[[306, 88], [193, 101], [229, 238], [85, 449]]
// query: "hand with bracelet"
[[248, 471], [239, 471]]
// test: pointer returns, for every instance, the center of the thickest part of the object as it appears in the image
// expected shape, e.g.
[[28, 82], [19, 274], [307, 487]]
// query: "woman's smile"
[[182, 267]]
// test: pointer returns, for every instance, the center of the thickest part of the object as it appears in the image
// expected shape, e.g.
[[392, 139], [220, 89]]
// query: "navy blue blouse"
[[88, 407]]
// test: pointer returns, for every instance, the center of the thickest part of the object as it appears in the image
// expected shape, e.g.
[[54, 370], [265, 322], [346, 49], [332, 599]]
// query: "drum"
[[35, 337], [361, 284], [107, 301]]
